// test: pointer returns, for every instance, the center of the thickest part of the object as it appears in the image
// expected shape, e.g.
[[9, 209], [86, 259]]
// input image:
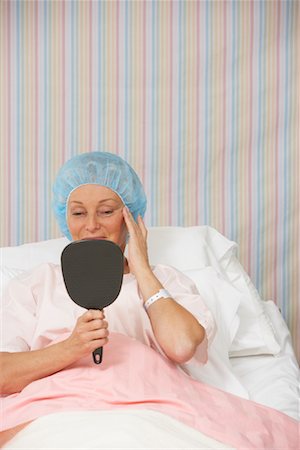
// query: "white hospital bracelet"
[[162, 293]]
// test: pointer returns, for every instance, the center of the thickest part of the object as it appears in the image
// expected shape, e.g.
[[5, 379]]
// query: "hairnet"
[[101, 168]]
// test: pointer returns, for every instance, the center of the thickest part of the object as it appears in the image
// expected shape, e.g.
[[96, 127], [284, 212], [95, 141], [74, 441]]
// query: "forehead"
[[93, 192]]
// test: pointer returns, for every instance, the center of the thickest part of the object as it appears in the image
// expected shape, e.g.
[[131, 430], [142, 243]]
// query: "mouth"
[[94, 238]]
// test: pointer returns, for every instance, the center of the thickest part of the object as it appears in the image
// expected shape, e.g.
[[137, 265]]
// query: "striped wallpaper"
[[201, 97]]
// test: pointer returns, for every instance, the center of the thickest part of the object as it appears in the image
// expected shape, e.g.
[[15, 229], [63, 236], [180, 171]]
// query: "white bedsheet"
[[273, 380], [140, 429]]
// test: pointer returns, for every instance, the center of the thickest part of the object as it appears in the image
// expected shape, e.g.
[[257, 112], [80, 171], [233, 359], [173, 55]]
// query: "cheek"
[[74, 226], [121, 228], [70, 223], [122, 239], [124, 230]]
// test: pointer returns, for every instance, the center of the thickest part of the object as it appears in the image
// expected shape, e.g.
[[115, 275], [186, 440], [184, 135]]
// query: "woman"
[[99, 196]]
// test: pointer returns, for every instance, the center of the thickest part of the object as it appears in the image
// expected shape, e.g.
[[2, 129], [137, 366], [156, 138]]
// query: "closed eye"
[[106, 213]]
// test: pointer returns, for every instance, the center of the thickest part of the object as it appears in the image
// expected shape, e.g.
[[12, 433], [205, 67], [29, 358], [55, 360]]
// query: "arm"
[[18, 369], [177, 331]]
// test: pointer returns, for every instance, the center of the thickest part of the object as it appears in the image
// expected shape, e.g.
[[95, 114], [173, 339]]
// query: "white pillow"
[[182, 247], [255, 335], [223, 300], [6, 274], [30, 255], [188, 247], [192, 248]]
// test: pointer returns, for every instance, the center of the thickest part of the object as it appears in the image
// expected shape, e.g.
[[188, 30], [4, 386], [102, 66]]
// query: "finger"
[[131, 225], [96, 324], [98, 343], [98, 334], [142, 226], [92, 344], [92, 314], [127, 215]]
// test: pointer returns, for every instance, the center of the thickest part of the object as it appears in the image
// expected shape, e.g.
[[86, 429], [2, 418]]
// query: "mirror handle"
[[97, 355]]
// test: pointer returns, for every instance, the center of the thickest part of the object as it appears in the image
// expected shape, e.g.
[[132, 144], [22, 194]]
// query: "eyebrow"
[[100, 201]]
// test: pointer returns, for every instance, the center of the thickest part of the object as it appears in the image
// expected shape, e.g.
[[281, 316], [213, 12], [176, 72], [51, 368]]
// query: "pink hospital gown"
[[36, 309]]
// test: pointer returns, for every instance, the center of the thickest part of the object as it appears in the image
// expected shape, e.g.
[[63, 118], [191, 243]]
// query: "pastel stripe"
[[286, 143], [8, 108], [200, 97], [46, 132]]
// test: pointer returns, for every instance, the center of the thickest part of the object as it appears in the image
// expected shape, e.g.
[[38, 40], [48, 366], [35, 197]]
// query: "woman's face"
[[96, 212]]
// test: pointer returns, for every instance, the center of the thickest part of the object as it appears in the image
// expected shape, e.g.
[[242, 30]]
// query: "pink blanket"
[[134, 376]]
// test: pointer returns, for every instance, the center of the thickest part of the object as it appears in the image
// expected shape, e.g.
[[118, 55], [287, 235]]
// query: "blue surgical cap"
[[101, 168]]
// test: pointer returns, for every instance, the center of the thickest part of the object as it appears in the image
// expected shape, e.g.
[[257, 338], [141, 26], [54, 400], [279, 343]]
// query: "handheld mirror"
[[93, 273]]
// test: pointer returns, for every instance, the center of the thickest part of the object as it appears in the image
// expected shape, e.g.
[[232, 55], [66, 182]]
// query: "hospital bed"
[[251, 356]]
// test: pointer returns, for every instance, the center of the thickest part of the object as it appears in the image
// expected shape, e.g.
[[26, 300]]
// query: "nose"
[[92, 223]]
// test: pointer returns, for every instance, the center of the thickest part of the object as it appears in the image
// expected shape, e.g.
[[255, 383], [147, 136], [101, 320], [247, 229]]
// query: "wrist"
[[68, 351], [162, 293], [148, 284]]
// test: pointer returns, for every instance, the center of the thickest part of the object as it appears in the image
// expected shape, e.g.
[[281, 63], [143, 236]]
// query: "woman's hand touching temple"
[[175, 328], [137, 245]]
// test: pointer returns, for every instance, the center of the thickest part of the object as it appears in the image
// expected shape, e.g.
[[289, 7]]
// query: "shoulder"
[[35, 275], [166, 269], [40, 270], [23, 286]]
